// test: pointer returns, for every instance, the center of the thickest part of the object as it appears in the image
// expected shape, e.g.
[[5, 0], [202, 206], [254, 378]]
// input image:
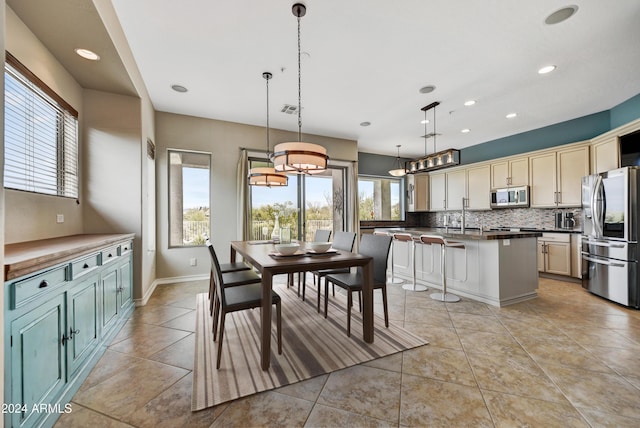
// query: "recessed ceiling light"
[[179, 88], [561, 15], [547, 69], [469, 102], [427, 89], [511, 115], [465, 130], [423, 121], [87, 54], [365, 123]]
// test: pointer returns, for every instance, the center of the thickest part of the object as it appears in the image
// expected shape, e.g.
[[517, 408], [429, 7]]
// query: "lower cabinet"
[[554, 253], [55, 330]]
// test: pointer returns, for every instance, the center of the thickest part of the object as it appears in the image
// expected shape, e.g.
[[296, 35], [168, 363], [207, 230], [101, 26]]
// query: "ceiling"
[[365, 61]]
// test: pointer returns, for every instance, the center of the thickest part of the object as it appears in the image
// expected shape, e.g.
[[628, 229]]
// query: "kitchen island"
[[495, 267]]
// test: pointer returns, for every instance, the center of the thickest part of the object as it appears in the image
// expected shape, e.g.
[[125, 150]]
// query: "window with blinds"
[[40, 136]]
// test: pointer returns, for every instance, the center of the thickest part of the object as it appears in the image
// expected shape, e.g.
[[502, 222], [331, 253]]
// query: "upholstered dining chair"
[[232, 277], [377, 247], [233, 296], [342, 241], [320, 235], [224, 268]]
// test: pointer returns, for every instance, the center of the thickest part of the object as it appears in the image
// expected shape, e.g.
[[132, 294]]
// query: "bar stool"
[[406, 237], [393, 280], [444, 243]]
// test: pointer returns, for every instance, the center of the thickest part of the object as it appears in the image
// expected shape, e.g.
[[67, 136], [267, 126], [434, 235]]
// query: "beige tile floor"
[[567, 358]]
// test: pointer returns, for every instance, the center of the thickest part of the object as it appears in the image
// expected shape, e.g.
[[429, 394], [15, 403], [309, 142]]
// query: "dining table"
[[264, 257]]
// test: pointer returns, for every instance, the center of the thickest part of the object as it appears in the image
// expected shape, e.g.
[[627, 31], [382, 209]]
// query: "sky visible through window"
[[195, 187]]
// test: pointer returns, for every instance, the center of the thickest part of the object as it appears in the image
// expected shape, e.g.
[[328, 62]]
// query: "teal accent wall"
[[571, 131], [625, 112]]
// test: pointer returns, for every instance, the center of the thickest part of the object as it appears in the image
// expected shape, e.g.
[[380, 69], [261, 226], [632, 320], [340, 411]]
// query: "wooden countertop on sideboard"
[[23, 258]]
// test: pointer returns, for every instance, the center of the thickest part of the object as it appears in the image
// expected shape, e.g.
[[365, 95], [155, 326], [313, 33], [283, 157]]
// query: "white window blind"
[[40, 138]]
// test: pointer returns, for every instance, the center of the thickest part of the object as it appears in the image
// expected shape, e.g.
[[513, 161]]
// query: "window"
[[380, 198], [40, 137], [189, 196], [306, 204]]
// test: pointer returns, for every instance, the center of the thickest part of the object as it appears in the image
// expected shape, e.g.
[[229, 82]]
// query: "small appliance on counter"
[[610, 238]]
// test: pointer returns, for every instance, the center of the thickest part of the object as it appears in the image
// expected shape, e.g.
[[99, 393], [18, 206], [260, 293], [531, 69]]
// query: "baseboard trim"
[[161, 281]]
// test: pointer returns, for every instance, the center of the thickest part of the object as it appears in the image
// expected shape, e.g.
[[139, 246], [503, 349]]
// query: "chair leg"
[[212, 293], [319, 284], [349, 304], [326, 296], [222, 317], [279, 325], [384, 305], [216, 315], [302, 275], [360, 300]]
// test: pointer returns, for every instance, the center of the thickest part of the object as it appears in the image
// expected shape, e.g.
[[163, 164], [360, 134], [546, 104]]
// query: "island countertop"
[[453, 234]]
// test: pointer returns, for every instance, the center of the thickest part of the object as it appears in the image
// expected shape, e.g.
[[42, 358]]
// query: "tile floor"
[[564, 359]]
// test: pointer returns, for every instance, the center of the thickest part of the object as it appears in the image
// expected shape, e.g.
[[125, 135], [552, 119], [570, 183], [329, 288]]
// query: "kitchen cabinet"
[[438, 191], [554, 253], [605, 155], [59, 316], [556, 177], [576, 255], [447, 190], [417, 192], [511, 172], [479, 188]]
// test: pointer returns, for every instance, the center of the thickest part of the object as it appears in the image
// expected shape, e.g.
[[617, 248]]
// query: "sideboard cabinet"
[[65, 299]]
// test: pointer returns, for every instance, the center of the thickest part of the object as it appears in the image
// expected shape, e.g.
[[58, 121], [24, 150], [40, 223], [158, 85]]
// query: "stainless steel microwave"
[[511, 197]]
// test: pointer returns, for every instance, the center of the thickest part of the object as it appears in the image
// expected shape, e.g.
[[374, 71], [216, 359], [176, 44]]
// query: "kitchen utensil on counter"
[[569, 221], [559, 220]]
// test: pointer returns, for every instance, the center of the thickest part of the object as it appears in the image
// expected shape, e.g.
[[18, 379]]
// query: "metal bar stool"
[[444, 243], [406, 237], [393, 280]]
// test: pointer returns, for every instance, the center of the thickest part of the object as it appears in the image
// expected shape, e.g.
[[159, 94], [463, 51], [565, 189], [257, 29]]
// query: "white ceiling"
[[365, 60]]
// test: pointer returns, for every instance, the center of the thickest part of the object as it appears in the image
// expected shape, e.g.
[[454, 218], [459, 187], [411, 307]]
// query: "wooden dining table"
[[259, 254]]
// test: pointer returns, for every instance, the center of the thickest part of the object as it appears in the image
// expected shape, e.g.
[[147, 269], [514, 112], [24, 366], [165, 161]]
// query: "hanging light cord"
[[268, 157], [299, 86], [425, 133], [434, 130]]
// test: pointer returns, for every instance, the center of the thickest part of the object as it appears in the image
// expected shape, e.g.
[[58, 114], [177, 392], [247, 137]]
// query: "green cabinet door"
[[126, 282], [82, 308], [38, 368], [109, 291]]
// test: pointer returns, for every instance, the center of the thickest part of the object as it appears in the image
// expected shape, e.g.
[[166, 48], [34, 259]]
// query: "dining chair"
[[342, 241], [233, 297], [232, 278], [377, 247], [320, 235]]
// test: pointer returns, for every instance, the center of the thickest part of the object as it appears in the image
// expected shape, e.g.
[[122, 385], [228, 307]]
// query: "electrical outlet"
[[60, 218], [193, 262]]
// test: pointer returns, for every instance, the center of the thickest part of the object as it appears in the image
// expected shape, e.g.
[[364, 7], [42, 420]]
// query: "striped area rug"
[[311, 346]]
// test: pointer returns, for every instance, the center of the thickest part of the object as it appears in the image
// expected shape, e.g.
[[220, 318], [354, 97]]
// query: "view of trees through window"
[[307, 198], [379, 198]]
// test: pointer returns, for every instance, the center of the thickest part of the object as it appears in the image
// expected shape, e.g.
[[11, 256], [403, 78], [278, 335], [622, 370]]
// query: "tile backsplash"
[[539, 218]]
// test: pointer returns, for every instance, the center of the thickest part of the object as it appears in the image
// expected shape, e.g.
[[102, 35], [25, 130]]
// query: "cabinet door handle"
[[85, 266], [109, 255], [43, 284]]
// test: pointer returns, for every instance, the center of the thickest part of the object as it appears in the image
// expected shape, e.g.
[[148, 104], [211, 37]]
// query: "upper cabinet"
[[438, 191], [556, 177], [479, 187], [511, 172], [605, 155], [417, 192]]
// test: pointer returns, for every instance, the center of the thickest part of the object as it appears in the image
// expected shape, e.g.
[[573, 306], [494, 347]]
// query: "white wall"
[[30, 216], [223, 140]]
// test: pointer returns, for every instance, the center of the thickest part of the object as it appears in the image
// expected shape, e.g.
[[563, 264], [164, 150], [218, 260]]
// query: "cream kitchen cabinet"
[[554, 253], [438, 191], [479, 188], [417, 192], [447, 190], [605, 155], [511, 172], [555, 177]]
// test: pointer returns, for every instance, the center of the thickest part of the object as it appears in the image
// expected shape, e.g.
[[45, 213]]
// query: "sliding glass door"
[[308, 203]]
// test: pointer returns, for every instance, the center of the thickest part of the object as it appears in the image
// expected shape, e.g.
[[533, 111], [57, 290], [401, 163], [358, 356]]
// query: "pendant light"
[[399, 171], [299, 156], [267, 176]]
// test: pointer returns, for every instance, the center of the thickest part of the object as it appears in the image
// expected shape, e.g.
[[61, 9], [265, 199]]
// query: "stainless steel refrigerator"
[[610, 237]]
